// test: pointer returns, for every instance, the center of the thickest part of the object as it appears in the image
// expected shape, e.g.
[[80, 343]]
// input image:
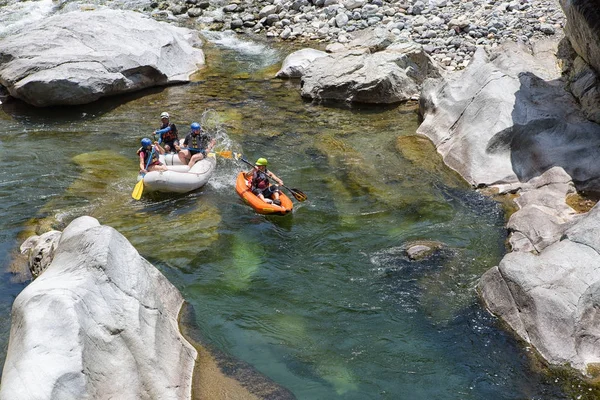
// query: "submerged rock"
[[100, 322], [420, 250], [79, 57]]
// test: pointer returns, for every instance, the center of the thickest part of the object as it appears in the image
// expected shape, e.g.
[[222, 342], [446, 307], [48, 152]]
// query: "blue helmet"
[[146, 142], [195, 126]]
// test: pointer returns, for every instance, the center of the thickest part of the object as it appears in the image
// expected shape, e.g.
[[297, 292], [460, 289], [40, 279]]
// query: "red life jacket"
[[260, 180], [170, 135]]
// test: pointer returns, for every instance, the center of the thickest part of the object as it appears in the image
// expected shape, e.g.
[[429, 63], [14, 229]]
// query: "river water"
[[323, 301]]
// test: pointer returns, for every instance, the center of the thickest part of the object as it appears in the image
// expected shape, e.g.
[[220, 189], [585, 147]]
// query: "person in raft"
[[261, 186], [195, 144], [150, 151], [167, 134]]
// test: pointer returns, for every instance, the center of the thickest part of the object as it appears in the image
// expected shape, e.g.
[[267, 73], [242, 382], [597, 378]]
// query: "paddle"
[[298, 194], [139, 187], [224, 153]]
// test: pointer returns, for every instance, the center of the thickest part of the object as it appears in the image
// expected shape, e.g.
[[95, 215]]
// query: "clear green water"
[[323, 301]]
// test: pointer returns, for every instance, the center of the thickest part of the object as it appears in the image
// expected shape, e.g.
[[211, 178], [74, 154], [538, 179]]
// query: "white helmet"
[[164, 115]]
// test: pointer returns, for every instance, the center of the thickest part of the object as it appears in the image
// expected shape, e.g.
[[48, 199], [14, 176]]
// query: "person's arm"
[[211, 144], [249, 174], [272, 175], [142, 165], [161, 150], [161, 131]]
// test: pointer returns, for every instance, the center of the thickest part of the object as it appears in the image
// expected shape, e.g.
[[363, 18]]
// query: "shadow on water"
[[206, 381], [19, 110]]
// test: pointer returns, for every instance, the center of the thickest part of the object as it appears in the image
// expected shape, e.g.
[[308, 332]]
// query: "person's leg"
[[184, 156], [273, 193], [195, 158], [157, 167]]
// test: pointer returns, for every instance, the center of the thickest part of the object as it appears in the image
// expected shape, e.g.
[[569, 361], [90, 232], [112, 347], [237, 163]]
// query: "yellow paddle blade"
[[225, 153], [137, 190]]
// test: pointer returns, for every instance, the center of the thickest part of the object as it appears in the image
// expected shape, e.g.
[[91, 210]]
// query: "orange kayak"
[[242, 187]]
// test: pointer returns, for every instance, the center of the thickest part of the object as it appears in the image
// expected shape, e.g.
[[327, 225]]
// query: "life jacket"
[[260, 180], [155, 159], [170, 135], [199, 141]]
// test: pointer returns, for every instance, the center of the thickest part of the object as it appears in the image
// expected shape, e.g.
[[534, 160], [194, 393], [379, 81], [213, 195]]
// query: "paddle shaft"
[[149, 159]]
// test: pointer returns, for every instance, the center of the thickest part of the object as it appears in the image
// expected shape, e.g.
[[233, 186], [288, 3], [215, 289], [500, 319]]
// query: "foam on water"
[[19, 14], [258, 52]]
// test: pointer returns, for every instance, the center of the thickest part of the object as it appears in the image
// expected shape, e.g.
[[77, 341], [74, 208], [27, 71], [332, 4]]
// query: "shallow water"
[[323, 301]]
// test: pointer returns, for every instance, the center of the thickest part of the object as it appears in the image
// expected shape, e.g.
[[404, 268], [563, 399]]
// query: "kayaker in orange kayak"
[[261, 186]]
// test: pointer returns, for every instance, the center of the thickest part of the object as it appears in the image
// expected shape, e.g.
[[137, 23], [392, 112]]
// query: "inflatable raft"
[[242, 187], [180, 178]]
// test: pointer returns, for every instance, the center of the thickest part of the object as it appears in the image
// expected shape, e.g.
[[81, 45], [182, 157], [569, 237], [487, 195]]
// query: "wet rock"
[[422, 250]]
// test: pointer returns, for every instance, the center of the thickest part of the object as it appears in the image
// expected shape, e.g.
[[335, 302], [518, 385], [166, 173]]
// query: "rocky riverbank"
[[449, 30]]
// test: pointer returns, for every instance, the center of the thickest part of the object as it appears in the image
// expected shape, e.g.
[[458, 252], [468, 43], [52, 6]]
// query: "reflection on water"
[[323, 301]]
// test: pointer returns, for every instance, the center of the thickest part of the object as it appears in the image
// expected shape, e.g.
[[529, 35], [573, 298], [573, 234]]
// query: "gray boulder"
[[551, 299], [295, 63], [79, 57], [507, 118], [382, 77], [100, 322]]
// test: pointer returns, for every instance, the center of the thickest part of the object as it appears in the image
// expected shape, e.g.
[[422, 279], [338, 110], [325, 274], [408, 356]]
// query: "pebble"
[[450, 30]]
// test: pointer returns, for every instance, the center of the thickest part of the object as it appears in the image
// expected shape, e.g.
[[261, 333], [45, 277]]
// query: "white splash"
[[230, 40], [19, 14]]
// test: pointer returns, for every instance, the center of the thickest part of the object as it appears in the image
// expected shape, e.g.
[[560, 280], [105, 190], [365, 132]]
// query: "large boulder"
[[78, 57], [392, 75], [99, 323], [551, 299], [507, 118]]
